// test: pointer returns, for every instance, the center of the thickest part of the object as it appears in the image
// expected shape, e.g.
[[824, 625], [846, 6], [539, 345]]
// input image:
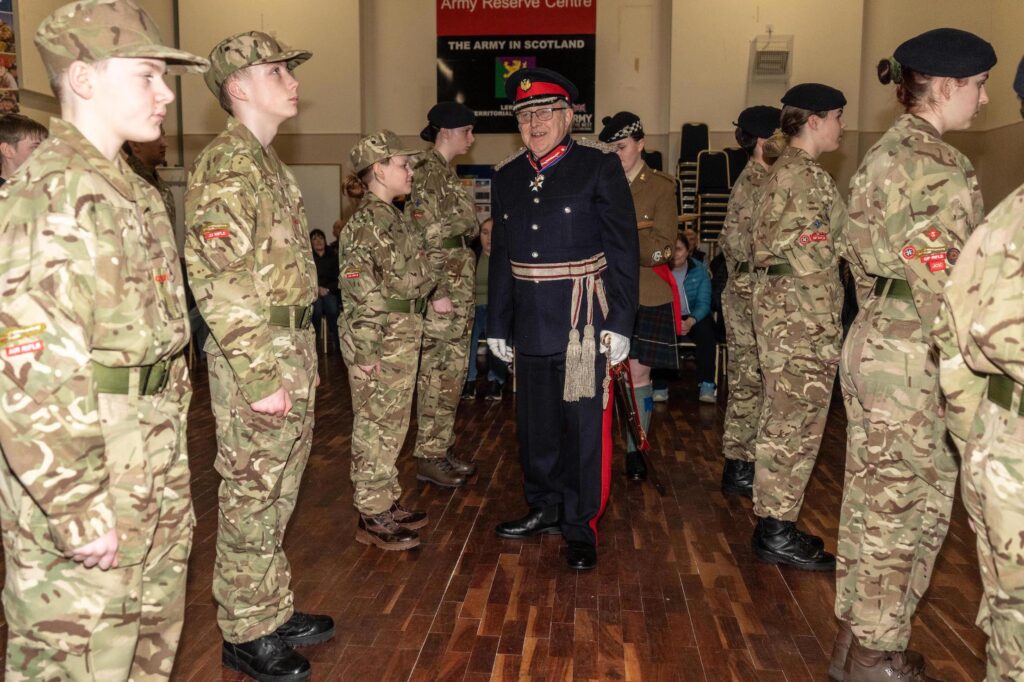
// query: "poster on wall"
[[8, 59], [480, 43]]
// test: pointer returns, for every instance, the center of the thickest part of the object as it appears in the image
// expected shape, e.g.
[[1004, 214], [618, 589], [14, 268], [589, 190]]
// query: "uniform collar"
[[116, 172], [639, 173], [914, 122], [237, 129], [371, 198], [552, 157]]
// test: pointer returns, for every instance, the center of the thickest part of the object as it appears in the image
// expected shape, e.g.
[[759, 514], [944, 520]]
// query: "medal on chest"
[[545, 162]]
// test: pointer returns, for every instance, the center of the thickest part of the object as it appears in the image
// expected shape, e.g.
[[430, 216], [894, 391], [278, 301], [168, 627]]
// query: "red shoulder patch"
[[909, 252]]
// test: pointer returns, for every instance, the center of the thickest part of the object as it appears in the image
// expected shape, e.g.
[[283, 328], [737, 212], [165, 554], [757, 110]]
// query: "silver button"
[[505, 216], [534, 227], [536, 200], [567, 209], [535, 254]]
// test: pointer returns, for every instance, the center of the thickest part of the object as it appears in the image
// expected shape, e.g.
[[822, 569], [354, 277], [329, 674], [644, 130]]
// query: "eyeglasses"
[[544, 114]]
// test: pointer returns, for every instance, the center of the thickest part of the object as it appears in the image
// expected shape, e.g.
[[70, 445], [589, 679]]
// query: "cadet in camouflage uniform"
[[753, 128], [251, 269], [981, 341], [444, 213], [913, 202], [659, 315], [94, 491], [385, 281], [797, 300], [981, 378]]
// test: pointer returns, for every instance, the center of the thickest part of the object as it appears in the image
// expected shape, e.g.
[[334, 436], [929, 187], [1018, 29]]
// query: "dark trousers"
[[564, 448], [330, 307], [703, 334]]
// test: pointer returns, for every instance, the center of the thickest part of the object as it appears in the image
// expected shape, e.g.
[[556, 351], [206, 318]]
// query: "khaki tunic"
[[654, 198]]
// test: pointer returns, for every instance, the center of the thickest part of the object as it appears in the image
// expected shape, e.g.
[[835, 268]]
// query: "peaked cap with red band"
[[531, 87]]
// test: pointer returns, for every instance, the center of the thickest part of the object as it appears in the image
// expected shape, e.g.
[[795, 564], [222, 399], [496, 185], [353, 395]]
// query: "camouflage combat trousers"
[[993, 492], [798, 351], [260, 459], [443, 368], [900, 474], [381, 406], [68, 622], [745, 388]]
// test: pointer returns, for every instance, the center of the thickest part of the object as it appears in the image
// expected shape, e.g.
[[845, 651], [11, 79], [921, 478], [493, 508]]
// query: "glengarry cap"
[[248, 49], [381, 145], [94, 30]]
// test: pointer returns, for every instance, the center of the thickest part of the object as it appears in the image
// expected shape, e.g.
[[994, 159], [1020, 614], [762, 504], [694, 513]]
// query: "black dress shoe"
[[538, 521], [636, 468], [303, 629], [779, 542], [267, 659], [469, 390], [738, 478], [582, 556]]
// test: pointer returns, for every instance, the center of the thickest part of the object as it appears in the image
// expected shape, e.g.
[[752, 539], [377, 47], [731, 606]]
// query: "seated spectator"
[[694, 285], [694, 241], [497, 371], [19, 137], [328, 301]]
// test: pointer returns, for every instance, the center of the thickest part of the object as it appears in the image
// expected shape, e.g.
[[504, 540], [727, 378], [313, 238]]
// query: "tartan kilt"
[[654, 337]]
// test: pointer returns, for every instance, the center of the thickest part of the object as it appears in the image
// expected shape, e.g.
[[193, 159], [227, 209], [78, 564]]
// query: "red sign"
[[515, 17]]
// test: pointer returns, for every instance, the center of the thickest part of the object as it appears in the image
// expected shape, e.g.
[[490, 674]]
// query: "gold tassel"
[[570, 391], [588, 358]]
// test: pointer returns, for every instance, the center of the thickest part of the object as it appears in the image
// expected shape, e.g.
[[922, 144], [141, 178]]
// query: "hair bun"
[[606, 120]]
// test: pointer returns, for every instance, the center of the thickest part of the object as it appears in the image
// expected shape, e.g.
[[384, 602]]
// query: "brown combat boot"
[[840, 648], [460, 466], [438, 471], [383, 531], [412, 520], [869, 665]]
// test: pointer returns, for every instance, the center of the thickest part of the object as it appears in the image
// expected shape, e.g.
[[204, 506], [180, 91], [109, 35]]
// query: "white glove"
[[616, 345], [501, 349]]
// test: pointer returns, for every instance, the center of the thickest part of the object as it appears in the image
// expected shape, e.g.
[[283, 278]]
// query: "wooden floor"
[[676, 595]]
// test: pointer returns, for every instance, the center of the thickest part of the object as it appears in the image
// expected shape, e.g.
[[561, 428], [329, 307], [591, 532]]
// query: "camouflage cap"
[[94, 30], [248, 49], [381, 145]]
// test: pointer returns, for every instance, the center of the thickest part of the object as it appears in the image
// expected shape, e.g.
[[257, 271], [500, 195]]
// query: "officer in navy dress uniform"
[[563, 291]]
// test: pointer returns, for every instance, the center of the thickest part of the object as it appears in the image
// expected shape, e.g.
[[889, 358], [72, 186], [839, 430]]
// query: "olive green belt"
[[406, 305], [778, 269], [459, 242], [743, 267], [1000, 391], [898, 288], [301, 316], [152, 378]]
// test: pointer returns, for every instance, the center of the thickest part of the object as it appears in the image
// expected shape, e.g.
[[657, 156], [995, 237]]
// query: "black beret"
[[1018, 80], [527, 87], [447, 115], [814, 97], [760, 121], [947, 52], [619, 126]]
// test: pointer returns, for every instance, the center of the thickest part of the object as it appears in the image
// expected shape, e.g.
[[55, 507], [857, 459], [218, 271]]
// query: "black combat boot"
[[383, 531], [545, 520], [779, 542], [738, 478], [267, 659], [408, 518], [869, 665], [303, 629], [636, 468]]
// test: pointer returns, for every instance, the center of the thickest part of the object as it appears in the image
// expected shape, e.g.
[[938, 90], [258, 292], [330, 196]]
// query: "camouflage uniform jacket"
[[247, 249], [654, 199], [799, 221], [736, 232], [381, 254], [153, 178], [913, 203], [441, 208], [981, 326], [89, 273]]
